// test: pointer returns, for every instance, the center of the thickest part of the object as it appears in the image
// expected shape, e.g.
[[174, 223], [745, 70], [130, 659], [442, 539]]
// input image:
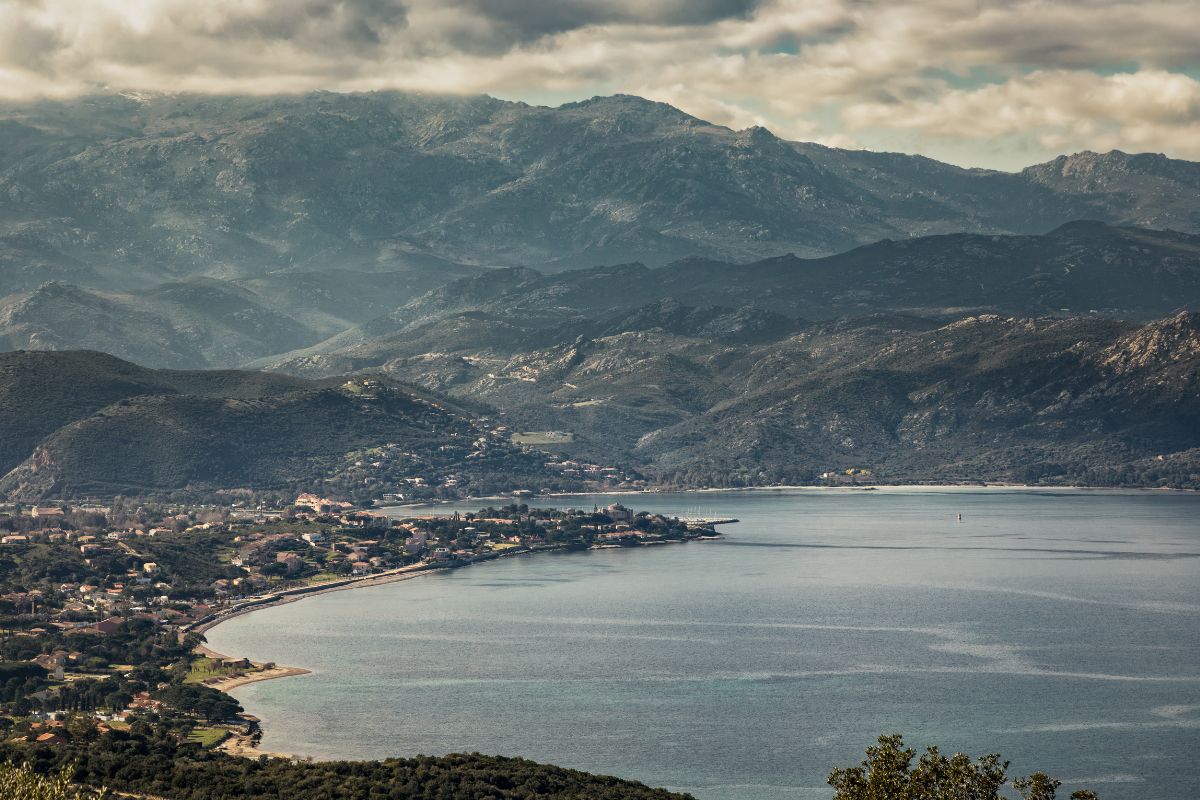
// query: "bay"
[[1060, 628]]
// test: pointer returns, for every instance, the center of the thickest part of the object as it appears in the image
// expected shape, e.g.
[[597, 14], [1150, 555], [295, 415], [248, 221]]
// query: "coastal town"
[[103, 608], [486, 459]]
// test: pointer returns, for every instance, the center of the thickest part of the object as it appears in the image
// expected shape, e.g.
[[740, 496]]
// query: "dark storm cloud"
[[509, 23], [324, 23], [27, 42], [539, 17]]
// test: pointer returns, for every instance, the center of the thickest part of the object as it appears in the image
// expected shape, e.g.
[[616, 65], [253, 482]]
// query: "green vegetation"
[[203, 669], [191, 434], [888, 773], [145, 763], [202, 702], [142, 761], [19, 782], [208, 737]]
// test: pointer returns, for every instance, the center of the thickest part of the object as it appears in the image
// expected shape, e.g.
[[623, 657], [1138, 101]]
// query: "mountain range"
[[119, 192], [744, 396], [701, 305]]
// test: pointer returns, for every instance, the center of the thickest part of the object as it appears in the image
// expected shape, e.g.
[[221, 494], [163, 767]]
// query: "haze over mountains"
[[707, 305]]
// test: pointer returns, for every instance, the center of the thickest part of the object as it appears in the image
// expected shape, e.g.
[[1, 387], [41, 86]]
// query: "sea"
[[1059, 628]]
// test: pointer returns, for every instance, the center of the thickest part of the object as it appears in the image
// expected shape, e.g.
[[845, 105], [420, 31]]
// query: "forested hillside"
[[83, 423]]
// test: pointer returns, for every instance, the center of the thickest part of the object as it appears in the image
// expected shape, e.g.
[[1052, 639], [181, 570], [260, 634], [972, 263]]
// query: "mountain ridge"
[[111, 192], [81, 423], [1078, 268]]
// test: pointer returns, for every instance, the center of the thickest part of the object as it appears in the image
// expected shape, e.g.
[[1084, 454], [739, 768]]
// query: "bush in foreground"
[[22, 783], [888, 773]]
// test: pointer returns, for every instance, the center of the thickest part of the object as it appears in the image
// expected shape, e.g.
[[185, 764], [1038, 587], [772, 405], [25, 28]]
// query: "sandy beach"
[[299, 593], [234, 681]]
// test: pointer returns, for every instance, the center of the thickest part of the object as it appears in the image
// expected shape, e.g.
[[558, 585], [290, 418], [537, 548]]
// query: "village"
[[103, 609], [476, 465]]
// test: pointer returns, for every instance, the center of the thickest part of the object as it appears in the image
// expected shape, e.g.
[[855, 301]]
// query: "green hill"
[[81, 423]]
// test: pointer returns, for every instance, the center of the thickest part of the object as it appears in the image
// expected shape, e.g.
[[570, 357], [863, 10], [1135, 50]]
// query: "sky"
[[975, 82]]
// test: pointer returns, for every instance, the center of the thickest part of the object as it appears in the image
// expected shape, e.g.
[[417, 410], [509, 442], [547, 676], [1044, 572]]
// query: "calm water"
[[1061, 629]]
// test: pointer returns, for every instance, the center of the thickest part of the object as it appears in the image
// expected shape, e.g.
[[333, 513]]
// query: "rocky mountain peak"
[[1088, 168], [1161, 344]]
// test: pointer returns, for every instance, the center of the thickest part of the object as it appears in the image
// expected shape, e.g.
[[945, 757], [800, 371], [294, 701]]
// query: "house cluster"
[[51, 728], [321, 540], [320, 505], [604, 476], [99, 608], [137, 588], [848, 477], [493, 531]]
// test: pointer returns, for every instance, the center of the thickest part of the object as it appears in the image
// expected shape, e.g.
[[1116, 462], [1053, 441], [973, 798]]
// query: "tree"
[[1038, 786], [888, 773], [80, 726]]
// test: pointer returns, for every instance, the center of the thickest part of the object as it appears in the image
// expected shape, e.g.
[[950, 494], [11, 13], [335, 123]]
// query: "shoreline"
[[866, 487], [974, 487], [245, 745], [300, 592]]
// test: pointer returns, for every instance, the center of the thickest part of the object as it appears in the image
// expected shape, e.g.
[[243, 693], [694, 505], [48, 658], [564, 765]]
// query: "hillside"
[[117, 192], [752, 397], [80, 423], [204, 322], [704, 303], [192, 324], [1079, 268], [282, 317], [42, 392], [988, 398]]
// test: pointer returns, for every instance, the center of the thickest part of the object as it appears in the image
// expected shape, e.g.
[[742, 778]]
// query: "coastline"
[[300, 592], [866, 487], [245, 744]]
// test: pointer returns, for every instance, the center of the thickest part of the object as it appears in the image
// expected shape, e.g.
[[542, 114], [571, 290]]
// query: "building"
[[291, 561], [47, 511], [416, 543], [619, 513], [54, 664]]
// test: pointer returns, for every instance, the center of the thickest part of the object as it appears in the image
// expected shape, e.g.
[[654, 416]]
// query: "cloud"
[[506, 23], [320, 23], [961, 78], [1056, 108]]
